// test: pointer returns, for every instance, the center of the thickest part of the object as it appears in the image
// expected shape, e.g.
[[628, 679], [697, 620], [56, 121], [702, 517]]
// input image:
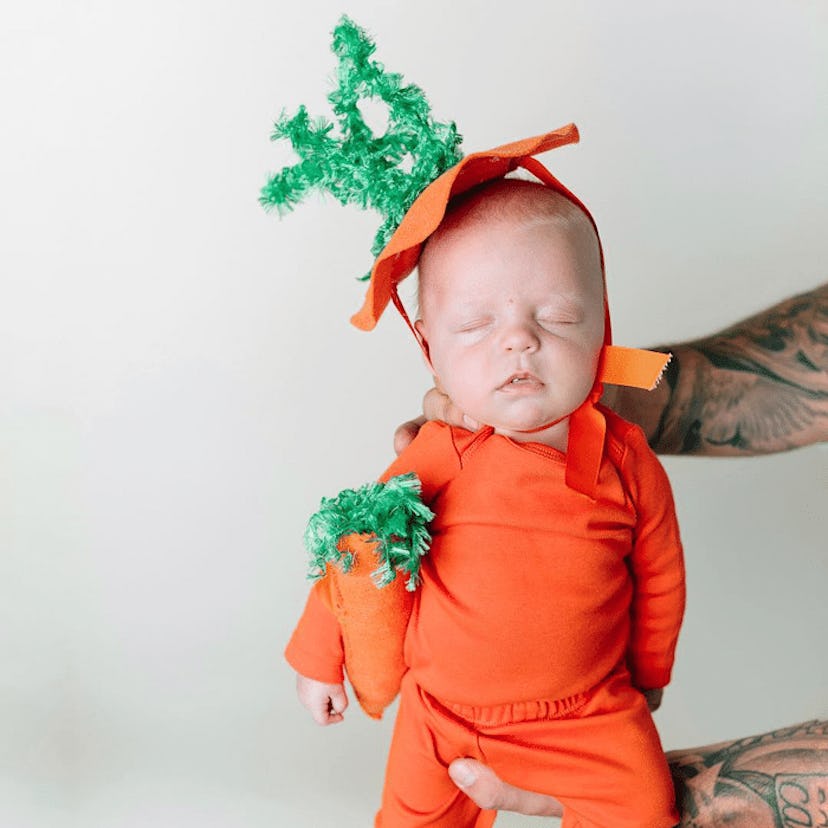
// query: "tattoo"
[[777, 780], [758, 387]]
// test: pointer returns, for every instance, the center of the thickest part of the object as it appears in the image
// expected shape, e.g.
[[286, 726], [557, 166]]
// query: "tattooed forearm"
[[760, 386], [777, 780]]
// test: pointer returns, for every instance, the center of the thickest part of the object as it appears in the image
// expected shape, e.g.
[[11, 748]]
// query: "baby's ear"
[[419, 329]]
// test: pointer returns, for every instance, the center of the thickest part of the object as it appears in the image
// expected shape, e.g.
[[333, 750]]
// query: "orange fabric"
[[370, 619], [598, 752], [632, 366], [514, 549], [533, 592], [315, 649]]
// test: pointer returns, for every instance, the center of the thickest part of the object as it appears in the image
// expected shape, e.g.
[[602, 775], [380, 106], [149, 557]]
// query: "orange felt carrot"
[[359, 542], [373, 621]]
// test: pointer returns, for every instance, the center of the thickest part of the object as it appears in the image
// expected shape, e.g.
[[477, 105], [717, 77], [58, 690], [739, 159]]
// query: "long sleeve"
[[315, 649], [657, 566]]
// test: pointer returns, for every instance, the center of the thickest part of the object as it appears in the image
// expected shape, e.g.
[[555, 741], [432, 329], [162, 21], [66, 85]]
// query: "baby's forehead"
[[509, 204], [512, 201]]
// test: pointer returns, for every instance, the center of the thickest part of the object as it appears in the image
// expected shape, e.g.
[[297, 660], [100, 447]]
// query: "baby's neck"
[[555, 434]]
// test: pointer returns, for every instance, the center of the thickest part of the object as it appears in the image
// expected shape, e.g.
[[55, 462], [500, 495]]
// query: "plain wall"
[[179, 384]]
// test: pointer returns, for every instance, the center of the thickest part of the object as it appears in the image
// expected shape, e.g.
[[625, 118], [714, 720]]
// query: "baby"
[[547, 619]]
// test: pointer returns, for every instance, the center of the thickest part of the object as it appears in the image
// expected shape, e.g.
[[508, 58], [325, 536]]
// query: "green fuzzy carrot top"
[[392, 512], [384, 172]]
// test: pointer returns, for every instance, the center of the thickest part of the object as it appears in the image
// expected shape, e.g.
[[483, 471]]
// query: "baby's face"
[[513, 322]]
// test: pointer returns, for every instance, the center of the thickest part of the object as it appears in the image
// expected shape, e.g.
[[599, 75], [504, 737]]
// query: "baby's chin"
[[523, 418], [526, 428]]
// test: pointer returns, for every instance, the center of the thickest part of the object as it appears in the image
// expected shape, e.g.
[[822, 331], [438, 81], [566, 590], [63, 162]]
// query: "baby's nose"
[[520, 338]]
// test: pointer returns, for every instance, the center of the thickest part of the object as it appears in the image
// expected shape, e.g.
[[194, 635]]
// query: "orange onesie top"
[[531, 590]]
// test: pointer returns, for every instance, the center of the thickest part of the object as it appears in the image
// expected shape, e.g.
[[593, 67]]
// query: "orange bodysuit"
[[541, 615]]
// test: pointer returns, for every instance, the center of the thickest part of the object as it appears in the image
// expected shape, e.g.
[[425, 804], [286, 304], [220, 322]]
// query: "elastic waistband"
[[515, 712]]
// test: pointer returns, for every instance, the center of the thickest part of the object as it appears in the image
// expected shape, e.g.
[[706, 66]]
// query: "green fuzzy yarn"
[[392, 512], [359, 167]]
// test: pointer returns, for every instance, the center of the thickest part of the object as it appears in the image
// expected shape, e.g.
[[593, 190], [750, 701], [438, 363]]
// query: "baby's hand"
[[653, 698], [326, 702]]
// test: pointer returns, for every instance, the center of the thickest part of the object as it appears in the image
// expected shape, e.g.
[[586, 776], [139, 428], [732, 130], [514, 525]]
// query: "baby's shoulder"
[[432, 455], [624, 439], [440, 436]]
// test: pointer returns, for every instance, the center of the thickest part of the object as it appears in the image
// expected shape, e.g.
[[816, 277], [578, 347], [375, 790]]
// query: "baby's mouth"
[[521, 380]]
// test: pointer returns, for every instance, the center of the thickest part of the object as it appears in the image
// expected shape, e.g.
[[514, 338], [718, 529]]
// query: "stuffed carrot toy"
[[362, 543]]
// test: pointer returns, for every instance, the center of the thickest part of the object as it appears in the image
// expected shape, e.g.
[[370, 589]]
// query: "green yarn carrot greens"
[[392, 512], [358, 167]]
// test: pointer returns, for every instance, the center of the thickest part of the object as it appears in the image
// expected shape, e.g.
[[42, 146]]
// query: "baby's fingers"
[[337, 705], [325, 702], [438, 406], [406, 433], [323, 712]]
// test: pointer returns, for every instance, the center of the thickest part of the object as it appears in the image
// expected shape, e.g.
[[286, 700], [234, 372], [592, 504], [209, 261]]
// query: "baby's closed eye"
[[474, 324], [559, 316]]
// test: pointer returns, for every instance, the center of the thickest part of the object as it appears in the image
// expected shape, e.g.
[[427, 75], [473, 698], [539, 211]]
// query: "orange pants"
[[597, 752]]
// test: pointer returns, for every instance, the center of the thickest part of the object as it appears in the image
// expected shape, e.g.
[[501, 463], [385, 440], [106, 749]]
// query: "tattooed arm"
[[757, 387], [776, 780]]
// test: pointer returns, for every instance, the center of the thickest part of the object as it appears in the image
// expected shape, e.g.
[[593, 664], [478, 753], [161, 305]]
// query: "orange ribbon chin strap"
[[632, 366], [395, 298], [585, 449]]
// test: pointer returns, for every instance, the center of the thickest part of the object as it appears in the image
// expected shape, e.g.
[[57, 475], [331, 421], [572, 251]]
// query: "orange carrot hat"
[[618, 366], [365, 169]]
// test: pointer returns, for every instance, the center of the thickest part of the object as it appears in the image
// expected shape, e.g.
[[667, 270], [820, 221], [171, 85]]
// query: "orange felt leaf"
[[400, 255]]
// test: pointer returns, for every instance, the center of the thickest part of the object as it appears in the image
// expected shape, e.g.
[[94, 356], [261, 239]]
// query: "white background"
[[179, 384]]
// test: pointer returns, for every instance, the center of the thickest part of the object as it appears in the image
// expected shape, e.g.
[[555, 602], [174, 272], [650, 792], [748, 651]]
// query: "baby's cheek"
[[468, 394]]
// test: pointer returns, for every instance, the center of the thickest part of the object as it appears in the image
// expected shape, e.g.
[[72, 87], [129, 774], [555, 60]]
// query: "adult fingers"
[[406, 433], [438, 406], [481, 784]]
